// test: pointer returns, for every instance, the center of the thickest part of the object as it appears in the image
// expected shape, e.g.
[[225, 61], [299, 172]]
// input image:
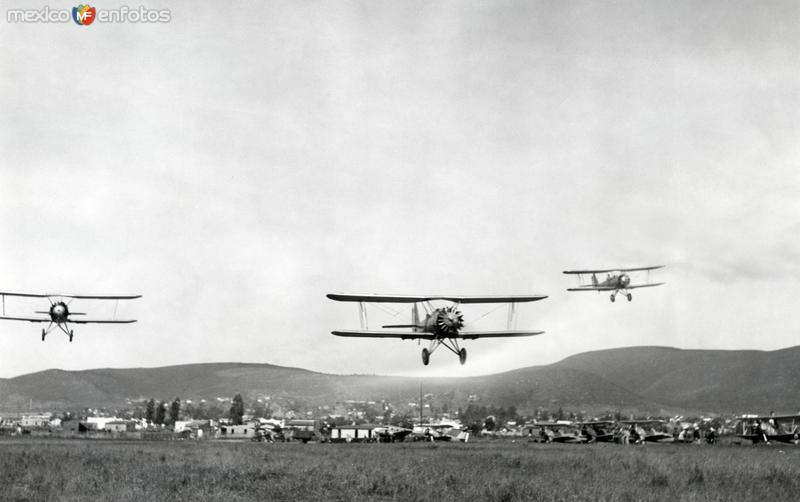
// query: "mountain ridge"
[[645, 379]]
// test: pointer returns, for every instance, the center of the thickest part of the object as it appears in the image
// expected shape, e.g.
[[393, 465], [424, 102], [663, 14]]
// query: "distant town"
[[268, 419]]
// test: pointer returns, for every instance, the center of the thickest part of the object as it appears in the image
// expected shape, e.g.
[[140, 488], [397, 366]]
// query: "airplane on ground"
[[617, 280], [442, 326], [655, 434], [781, 428], [59, 315], [438, 432], [561, 431], [391, 433], [597, 431]]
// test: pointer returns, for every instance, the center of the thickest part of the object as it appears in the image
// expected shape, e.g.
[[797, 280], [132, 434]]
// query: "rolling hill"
[[656, 380]]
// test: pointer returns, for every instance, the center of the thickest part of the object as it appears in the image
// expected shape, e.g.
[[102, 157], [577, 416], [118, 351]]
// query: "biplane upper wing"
[[601, 271], [376, 298], [408, 335], [768, 417], [71, 320], [84, 297]]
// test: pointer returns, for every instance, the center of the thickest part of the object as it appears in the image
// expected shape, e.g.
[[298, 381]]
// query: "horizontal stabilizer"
[[593, 288], [48, 313]]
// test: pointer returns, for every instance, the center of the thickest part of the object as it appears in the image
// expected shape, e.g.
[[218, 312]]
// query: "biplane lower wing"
[[375, 298], [407, 335], [614, 288], [102, 321], [29, 319], [72, 321], [472, 335]]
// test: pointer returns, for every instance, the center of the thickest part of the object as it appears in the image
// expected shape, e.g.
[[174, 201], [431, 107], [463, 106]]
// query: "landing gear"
[[70, 335], [462, 356], [44, 334], [426, 356], [613, 297], [630, 297]]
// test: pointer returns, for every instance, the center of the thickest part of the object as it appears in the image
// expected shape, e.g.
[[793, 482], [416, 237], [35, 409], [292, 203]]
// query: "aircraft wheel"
[[426, 356], [70, 335], [613, 298], [630, 297], [43, 335], [462, 356]]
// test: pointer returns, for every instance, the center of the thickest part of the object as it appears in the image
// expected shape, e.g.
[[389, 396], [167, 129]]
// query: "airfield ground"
[[78, 470]]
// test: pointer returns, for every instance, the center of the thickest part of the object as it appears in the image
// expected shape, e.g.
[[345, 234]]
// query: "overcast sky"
[[238, 163]]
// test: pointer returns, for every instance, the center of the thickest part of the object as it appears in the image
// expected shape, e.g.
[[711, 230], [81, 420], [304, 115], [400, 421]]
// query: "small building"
[[236, 431], [100, 422], [28, 421], [353, 433], [120, 426], [73, 426]]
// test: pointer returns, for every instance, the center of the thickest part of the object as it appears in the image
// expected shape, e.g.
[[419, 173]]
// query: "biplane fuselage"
[[617, 280], [443, 322], [59, 312]]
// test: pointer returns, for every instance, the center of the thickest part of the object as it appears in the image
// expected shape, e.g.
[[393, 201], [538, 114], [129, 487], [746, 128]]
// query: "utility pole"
[[420, 403]]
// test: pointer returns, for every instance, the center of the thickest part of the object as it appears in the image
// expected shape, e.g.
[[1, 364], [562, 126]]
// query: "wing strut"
[[362, 311], [512, 311]]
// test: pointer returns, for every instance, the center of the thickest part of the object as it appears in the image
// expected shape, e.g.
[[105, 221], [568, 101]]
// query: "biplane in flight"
[[616, 280], [442, 326], [59, 315]]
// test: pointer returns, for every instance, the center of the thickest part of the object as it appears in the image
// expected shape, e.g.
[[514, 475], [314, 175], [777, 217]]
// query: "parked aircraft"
[[438, 432], [781, 428], [59, 315], [562, 431], [391, 433], [597, 431], [442, 326], [616, 281], [647, 431]]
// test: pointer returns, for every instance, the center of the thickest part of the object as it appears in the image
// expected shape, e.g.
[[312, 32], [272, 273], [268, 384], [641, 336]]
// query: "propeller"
[[449, 320]]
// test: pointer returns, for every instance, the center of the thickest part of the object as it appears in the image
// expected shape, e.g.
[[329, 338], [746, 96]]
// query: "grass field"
[[47, 469]]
